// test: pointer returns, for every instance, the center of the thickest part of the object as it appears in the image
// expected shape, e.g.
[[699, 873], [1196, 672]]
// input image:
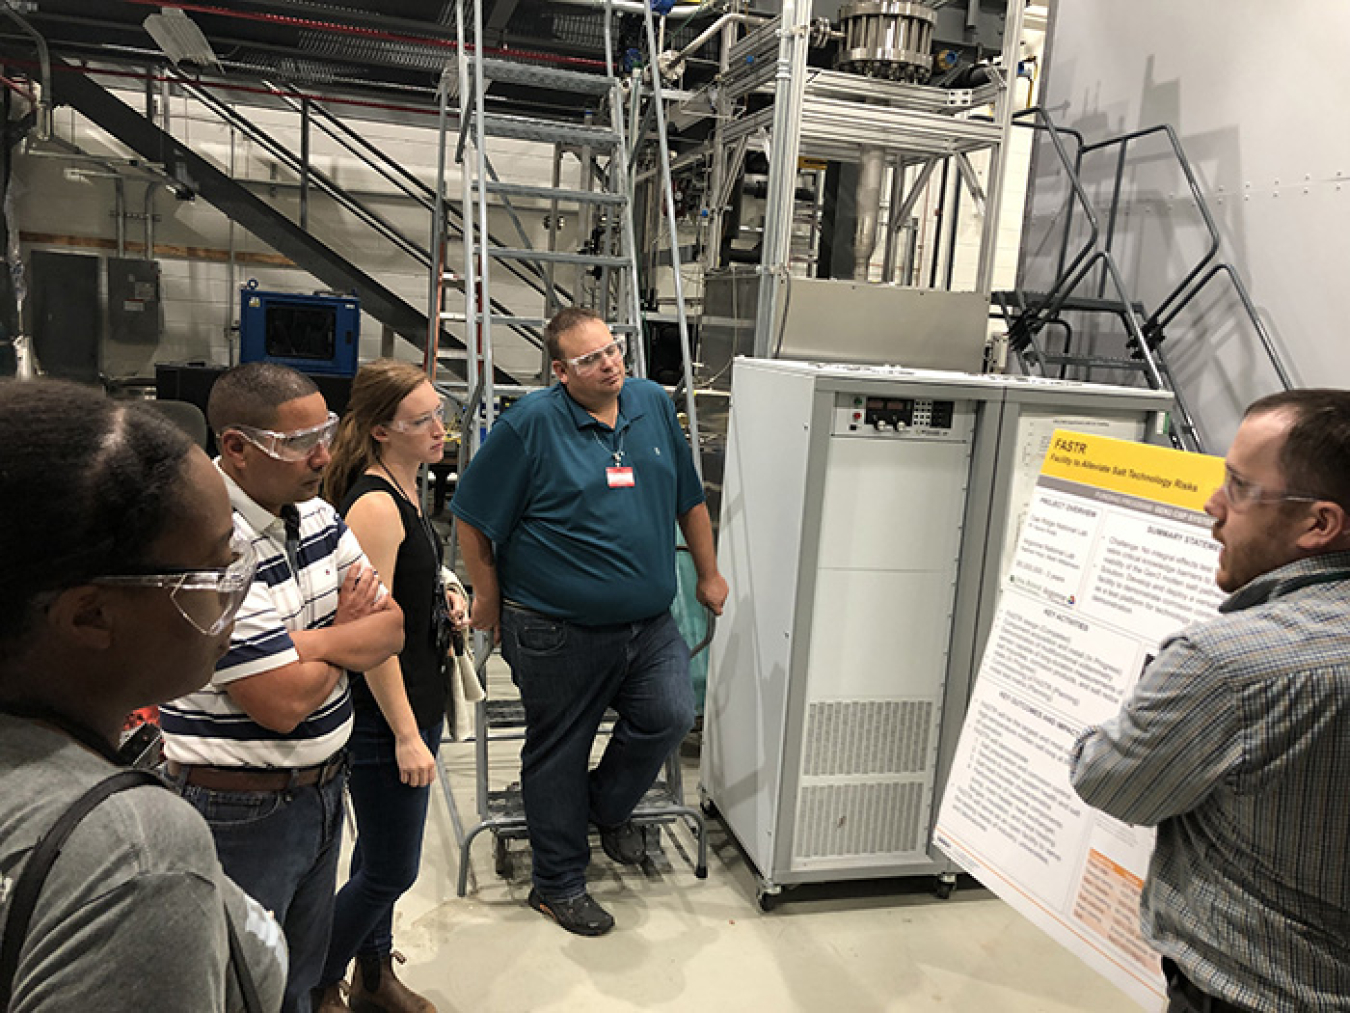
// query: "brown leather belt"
[[256, 778]]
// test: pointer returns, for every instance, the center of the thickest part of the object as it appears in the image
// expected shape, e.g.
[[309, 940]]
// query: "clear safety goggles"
[[420, 423], [593, 360], [1242, 494], [297, 445], [208, 599]]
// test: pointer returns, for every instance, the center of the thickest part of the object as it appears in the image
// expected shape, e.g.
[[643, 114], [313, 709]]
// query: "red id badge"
[[620, 478]]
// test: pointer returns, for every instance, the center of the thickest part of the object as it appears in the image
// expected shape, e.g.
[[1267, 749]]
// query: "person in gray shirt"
[[1235, 743], [122, 579]]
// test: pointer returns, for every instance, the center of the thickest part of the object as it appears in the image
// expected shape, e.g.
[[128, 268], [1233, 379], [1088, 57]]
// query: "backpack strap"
[[248, 990], [43, 857]]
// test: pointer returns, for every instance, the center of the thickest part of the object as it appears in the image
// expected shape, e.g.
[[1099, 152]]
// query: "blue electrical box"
[[311, 333]]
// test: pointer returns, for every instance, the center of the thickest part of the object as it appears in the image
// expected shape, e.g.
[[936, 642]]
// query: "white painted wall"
[[1253, 90]]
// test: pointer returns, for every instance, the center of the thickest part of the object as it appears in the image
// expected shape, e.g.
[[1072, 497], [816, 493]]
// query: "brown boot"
[[375, 989], [329, 999]]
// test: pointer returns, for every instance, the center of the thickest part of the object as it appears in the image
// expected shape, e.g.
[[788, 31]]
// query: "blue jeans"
[[281, 847], [390, 818], [568, 675]]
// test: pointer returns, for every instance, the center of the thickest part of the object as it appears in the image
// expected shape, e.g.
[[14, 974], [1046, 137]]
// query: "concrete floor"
[[687, 944]]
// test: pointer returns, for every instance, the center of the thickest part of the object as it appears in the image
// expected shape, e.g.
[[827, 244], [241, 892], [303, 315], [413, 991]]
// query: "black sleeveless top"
[[416, 579]]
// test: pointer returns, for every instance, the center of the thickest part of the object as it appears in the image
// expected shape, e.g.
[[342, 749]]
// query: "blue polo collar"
[[629, 412]]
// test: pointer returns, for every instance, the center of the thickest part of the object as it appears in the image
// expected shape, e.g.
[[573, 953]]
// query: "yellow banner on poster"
[[1159, 474]]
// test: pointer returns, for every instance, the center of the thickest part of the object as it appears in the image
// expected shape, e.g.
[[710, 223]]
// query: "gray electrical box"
[[867, 512], [133, 301]]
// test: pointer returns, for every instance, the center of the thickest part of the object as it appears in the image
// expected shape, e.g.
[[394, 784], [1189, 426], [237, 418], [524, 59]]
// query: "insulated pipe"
[[672, 63], [631, 7], [44, 103], [120, 213], [869, 209], [150, 189]]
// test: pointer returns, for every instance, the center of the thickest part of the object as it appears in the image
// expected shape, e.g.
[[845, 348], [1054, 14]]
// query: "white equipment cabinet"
[[866, 514]]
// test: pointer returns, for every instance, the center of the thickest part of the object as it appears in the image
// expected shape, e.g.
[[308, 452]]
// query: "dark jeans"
[[568, 675], [1184, 996], [281, 847], [390, 818]]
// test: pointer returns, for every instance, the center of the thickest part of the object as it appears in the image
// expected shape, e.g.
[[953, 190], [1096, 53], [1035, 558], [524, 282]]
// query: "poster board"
[[1115, 555]]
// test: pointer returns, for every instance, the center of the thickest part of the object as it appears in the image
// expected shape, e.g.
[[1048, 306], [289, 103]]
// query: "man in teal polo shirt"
[[566, 518]]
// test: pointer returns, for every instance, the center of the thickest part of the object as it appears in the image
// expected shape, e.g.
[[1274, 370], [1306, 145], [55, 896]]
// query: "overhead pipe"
[[44, 102], [630, 7], [672, 63], [430, 41]]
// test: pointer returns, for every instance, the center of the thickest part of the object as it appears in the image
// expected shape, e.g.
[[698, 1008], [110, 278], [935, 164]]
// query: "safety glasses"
[[420, 423], [1242, 494], [297, 445], [593, 360], [208, 599]]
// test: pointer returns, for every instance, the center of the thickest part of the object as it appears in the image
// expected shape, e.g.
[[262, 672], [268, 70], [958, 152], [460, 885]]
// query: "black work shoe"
[[624, 843], [581, 914]]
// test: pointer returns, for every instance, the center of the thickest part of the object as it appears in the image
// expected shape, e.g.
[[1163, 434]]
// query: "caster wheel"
[[701, 872], [767, 901], [501, 857], [944, 889]]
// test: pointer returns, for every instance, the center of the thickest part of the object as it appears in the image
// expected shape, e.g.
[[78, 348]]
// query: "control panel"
[[892, 416]]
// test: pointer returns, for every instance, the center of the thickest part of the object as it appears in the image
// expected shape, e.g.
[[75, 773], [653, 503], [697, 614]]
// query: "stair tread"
[[517, 72], [551, 193], [1073, 303]]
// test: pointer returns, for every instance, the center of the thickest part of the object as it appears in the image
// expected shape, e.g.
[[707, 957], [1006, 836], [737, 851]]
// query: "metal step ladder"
[[605, 265]]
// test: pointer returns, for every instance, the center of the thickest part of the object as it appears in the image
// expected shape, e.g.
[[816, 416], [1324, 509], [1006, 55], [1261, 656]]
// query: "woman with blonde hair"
[[393, 425]]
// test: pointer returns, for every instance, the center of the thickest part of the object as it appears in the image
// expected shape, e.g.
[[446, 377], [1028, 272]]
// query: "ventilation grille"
[[868, 737], [838, 820]]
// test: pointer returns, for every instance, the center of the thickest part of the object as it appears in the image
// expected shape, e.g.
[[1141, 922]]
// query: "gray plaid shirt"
[[1236, 745]]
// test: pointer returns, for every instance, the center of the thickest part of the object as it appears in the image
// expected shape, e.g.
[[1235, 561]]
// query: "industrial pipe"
[[869, 209], [672, 63], [44, 103]]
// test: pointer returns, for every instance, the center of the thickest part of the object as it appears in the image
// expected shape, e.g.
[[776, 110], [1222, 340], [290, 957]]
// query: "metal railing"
[[1028, 314]]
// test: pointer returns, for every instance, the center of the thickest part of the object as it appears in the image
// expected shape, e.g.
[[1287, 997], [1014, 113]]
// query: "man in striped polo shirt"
[[259, 751]]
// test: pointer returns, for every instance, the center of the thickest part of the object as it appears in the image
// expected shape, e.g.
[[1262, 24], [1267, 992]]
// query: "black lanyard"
[[425, 524]]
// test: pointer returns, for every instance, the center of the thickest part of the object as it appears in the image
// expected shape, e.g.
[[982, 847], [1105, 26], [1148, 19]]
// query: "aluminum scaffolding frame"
[[830, 115]]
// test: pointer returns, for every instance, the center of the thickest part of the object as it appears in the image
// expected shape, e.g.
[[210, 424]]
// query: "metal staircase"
[[1089, 284]]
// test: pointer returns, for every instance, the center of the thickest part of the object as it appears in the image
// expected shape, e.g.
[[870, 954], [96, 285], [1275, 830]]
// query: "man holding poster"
[[1235, 743]]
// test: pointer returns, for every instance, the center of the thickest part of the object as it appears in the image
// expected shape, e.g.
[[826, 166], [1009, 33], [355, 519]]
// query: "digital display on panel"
[[301, 331]]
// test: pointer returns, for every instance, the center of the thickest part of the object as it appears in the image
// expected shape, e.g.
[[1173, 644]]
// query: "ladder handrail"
[[1197, 278], [1087, 258], [296, 164], [485, 350], [1054, 298], [1223, 267], [1124, 141], [667, 199], [1187, 289]]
